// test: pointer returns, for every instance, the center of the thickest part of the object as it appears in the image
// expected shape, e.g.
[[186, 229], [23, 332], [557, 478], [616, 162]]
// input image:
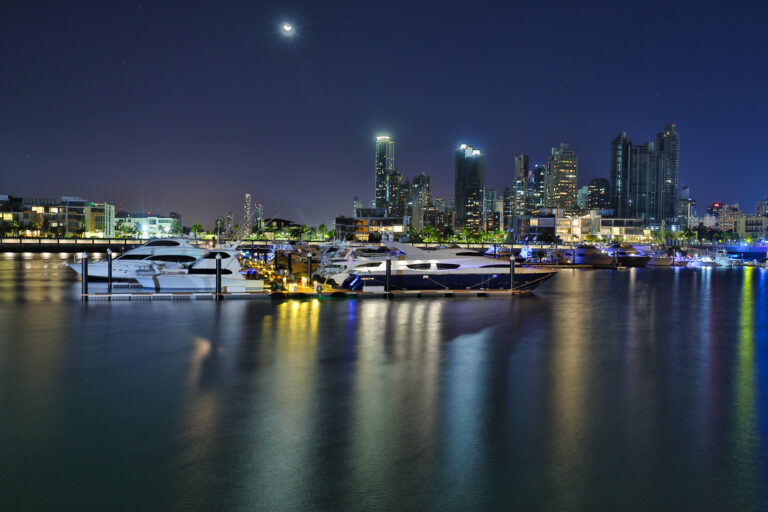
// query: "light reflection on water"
[[631, 390]]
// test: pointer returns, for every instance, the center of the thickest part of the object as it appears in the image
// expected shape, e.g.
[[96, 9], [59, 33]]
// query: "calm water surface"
[[628, 390]]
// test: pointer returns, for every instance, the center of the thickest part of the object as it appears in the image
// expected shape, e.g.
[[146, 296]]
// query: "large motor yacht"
[[201, 276], [442, 269], [145, 257], [627, 256], [591, 255]]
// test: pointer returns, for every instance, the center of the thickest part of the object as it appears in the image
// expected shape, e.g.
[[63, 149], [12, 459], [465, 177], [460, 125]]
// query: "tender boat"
[[627, 256], [443, 269], [146, 257], [201, 276]]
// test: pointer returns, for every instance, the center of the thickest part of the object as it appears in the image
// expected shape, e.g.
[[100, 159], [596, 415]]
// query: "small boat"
[[702, 262], [146, 257], [627, 256], [680, 261], [722, 258], [201, 276]]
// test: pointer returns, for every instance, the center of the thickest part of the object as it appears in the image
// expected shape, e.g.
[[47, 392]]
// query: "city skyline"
[[162, 107]]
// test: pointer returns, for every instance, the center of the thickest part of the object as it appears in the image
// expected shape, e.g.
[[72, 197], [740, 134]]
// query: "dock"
[[307, 293]]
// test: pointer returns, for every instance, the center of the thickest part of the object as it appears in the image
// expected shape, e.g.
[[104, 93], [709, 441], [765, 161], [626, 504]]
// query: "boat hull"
[[448, 281], [192, 282]]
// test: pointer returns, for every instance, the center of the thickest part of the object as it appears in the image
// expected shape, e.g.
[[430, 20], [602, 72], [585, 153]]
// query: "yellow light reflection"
[[744, 433]]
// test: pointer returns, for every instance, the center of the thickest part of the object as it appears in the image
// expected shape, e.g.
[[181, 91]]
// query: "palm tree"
[[196, 229]]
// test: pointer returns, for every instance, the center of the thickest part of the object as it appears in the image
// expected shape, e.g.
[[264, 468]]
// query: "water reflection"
[[635, 390]]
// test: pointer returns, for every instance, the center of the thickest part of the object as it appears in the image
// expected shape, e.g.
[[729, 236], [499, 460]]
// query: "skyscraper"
[[469, 188], [668, 145], [561, 176], [536, 184], [646, 191], [523, 196], [385, 165], [599, 196], [247, 213], [621, 149], [422, 189]]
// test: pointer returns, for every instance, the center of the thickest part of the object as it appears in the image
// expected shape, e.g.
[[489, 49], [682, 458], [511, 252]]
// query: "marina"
[[322, 402]]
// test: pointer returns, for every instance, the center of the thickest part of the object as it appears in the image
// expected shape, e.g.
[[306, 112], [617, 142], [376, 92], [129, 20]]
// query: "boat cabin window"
[[419, 266], [208, 271], [175, 258], [163, 243], [368, 265], [212, 255], [446, 266], [467, 253], [497, 265], [131, 257]]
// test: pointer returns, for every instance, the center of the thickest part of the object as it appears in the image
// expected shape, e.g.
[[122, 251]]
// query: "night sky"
[[188, 105]]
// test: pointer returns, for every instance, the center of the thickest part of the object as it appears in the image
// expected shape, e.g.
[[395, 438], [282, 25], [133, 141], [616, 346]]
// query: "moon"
[[287, 28]]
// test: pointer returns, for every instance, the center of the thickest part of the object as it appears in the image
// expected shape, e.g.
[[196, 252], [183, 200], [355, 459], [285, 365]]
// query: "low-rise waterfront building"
[[371, 225], [751, 227], [146, 225]]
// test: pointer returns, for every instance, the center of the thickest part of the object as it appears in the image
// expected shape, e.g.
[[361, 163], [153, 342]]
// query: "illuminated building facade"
[[385, 167], [668, 146], [598, 194], [561, 177], [469, 189]]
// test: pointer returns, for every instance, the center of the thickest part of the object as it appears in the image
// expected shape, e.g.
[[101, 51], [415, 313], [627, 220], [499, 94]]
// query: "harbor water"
[[641, 389]]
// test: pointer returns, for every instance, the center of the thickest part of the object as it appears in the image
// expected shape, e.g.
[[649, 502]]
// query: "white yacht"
[[702, 262], [722, 258], [441, 269], [201, 276], [146, 257]]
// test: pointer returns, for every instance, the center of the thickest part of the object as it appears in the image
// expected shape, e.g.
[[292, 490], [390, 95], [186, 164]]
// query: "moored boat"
[[201, 276], [147, 257]]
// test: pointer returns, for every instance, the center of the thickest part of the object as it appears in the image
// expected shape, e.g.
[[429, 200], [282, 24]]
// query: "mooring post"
[[290, 263], [109, 270], [309, 270], [218, 276], [512, 271], [84, 291], [388, 284], [615, 259]]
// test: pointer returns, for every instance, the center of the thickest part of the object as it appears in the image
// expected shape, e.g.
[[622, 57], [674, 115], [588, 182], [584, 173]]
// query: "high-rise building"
[[422, 189], [536, 184], [258, 215], [686, 207], [356, 205], [247, 213], [646, 190], [385, 166], [509, 208], [621, 150], [582, 194], [599, 194], [523, 196], [489, 201], [394, 205], [469, 189], [560, 181], [668, 145]]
